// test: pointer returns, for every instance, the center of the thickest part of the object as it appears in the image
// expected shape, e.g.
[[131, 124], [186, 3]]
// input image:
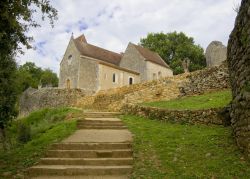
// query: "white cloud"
[[112, 24]]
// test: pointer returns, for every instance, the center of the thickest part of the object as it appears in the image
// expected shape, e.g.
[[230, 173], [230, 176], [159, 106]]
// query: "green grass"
[[166, 150], [209, 100], [47, 126]]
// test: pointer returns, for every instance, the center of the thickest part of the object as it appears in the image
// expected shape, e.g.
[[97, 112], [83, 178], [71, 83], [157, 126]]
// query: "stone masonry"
[[113, 99], [239, 68], [209, 79], [34, 99]]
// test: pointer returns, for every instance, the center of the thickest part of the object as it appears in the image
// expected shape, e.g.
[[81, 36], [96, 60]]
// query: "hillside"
[[28, 138]]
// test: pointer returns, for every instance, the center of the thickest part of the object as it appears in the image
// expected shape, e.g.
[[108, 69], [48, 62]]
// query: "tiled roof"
[[96, 52], [151, 56]]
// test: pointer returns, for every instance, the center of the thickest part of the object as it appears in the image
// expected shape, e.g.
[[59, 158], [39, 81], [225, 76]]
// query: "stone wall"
[[215, 78], [88, 74], [209, 79], [34, 99], [69, 66], [113, 99], [239, 67], [134, 61], [208, 116]]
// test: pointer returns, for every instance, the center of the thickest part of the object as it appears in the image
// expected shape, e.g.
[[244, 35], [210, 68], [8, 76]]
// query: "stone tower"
[[215, 54]]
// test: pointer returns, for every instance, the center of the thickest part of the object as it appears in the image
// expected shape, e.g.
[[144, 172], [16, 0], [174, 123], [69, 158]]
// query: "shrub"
[[23, 133]]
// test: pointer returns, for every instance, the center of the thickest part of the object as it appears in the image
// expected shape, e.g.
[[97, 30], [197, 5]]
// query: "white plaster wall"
[[122, 77]]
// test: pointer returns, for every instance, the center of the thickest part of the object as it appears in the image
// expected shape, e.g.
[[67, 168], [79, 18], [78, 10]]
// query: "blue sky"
[[112, 24]]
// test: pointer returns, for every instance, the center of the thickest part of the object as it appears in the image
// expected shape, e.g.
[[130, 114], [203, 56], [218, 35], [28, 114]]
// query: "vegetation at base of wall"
[[45, 127], [205, 101], [166, 150]]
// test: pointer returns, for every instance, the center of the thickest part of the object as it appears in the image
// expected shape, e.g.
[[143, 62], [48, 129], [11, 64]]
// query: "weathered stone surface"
[[208, 116], [34, 99], [239, 68], [113, 99], [215, 54], [208, 79], [214, 78]]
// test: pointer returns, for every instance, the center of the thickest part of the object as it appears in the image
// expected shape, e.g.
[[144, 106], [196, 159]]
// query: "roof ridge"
[[97, 52], [103, 49], [147, 54]]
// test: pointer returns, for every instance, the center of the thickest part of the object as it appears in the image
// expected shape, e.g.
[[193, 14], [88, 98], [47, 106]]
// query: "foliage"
[[49, 78], [29, 75], [23, 133], [174, 48], [167, 150], [47, 126], [16, 18], [8, 92], [209, 100]]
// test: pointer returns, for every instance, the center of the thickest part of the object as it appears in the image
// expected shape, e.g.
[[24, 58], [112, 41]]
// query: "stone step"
[[90, 146], [99, 122], [119, 153], [101, 114], [100, 127], [124, 176], [74, 170], [98, 116], [86, 161]]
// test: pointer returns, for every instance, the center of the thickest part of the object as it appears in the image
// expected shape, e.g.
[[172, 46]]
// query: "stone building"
[[89, 67], [215, 54]]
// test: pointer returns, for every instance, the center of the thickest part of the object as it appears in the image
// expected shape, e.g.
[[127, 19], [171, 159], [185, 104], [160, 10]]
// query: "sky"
[[112, 24]]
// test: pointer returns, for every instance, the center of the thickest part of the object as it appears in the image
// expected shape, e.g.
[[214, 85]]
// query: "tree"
[[29, 75], [49, 79], [16, 18], [8, 92], [174, 48]]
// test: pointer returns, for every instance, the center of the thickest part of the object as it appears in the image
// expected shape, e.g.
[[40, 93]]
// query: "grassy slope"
[[47, 126], [206, 101], [166, 150]]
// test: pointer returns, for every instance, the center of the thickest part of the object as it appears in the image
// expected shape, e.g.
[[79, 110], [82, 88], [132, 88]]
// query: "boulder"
[[215, 54]]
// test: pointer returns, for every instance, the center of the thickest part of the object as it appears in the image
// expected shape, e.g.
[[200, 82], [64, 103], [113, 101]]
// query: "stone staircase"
[[91, 159]]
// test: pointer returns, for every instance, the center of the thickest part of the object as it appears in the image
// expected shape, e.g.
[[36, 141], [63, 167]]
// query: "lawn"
[[167, 150], [29, 137], [209, 100]]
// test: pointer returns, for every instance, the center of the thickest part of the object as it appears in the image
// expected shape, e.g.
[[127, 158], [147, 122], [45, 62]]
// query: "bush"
[[23, 133]]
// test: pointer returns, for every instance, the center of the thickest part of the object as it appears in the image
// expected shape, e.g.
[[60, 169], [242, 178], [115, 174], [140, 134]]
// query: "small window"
[[159, 74], [154, 76], [70, 57], [105, 76], [130, 80], [114, 78]]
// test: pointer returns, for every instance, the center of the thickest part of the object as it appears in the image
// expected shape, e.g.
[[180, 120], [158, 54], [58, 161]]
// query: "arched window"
[[68, 84], [130, 81], [114, 78], [70, 57]]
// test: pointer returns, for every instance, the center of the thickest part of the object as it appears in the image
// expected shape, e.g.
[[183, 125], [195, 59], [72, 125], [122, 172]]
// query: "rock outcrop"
[[239, 68], [216, 53]]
